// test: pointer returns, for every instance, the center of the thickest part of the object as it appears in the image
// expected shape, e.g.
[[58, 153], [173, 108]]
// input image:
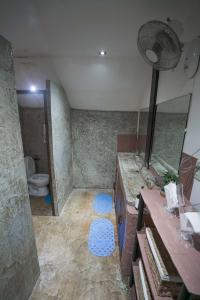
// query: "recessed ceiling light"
[[33, 88], [102, 52]]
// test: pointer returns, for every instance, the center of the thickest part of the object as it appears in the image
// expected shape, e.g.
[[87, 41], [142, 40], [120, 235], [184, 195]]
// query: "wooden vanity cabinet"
[[186, 259], [126, 218]]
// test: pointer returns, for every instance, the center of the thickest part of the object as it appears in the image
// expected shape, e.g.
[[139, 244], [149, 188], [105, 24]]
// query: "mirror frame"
[[152, 116]]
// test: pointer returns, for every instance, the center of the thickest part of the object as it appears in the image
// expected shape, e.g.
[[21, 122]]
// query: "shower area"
[[34, 132]]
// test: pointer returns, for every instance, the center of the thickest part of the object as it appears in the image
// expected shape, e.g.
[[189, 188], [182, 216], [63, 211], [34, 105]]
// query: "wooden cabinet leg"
[[140, 214], [138, 228], [131, 280], [183, 295]]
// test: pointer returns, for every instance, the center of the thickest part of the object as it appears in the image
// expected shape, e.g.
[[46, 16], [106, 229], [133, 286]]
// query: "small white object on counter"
[[194, 219], [171, 196], [136, 203]]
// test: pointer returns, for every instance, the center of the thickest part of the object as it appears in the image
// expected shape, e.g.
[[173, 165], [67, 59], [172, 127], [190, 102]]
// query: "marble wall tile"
[[19, 267], [60, 144], [197, 170], [94, 136], [6, 63], [142, 134]]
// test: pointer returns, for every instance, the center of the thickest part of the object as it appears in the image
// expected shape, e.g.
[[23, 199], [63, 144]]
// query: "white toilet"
[[37, 183]]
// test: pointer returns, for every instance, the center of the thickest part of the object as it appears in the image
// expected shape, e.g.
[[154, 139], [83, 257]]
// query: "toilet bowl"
[[39, 179], [37, 183], [38, 191]]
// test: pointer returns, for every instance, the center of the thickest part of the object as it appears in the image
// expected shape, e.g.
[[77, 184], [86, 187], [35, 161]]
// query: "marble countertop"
[[134, 175]]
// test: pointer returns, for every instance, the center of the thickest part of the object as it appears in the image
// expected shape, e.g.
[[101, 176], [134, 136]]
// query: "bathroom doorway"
[[35, 139]]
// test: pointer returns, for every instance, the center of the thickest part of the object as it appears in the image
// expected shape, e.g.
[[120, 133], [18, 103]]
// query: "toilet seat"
[[39, 180]]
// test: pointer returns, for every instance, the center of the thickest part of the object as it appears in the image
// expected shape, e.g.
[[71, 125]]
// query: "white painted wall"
[[34, 71], [113, 84], [174, 83]]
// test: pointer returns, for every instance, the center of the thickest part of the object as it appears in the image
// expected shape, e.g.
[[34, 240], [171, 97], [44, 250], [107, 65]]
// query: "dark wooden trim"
[[28, 92], [49, 126], [126, 142], [138, 227], [152, 116], [186, 173], [183, 295], [46, 112], [185, 259]]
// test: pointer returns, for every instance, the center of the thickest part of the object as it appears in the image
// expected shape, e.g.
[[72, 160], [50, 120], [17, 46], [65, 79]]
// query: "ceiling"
[[60, 40]]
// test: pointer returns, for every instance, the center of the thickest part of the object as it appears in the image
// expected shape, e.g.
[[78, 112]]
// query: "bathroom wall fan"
[[159, 45]]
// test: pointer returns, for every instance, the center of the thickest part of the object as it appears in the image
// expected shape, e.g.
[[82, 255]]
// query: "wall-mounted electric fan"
[[159, 45]]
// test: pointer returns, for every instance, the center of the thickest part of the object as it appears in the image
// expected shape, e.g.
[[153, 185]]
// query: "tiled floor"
[[68, 270], [39, 207]]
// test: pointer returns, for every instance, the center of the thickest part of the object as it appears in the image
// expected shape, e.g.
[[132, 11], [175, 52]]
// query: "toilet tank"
[[29, 165]]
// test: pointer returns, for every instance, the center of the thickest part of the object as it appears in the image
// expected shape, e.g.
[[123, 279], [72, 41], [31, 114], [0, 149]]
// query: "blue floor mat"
[[47, 199], [101, 240], [102, 203]]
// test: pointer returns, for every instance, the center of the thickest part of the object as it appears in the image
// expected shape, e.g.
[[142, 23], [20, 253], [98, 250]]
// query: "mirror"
[[170, 124], [142, 131], [197, 171]]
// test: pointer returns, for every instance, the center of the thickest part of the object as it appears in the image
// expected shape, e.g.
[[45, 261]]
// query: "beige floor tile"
[[68, 270]]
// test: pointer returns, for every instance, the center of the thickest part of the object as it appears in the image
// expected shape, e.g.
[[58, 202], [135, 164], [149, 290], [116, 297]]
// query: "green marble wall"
[[142, 131], [60, 144], [94, 136], [19, 267], [197, 171]]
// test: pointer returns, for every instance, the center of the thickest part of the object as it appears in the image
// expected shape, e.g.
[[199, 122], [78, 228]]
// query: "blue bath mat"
[[47, 199], [102, 203], [101, 240]]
